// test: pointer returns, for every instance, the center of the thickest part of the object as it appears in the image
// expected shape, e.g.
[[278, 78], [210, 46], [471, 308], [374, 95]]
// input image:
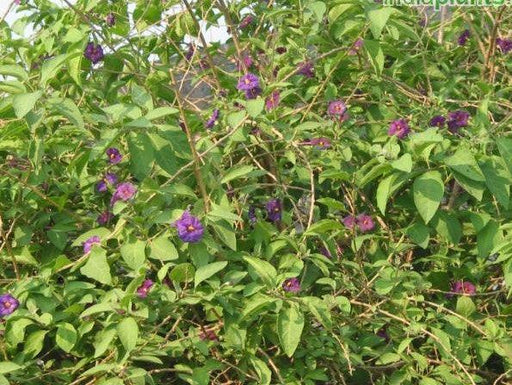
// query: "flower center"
[[7, 304], [190, 228], [276, 209], [247, 81], [321, 143]]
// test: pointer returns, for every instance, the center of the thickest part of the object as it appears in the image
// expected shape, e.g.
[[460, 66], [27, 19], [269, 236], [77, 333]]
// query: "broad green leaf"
[[428, 191], [378, 18], [69, 109], [52, 66], [97, 267], [290, 323], [236, 172], [263, 371], [206, 271], [7, 367], [255, 107], [184, 272], [319, 309], [163, 249], [13, 70], [66, 337], [505, 148], [488, 238], [34, 343], [142, 154], [264, 270], [134, 254], [161, 112], [448, 226], [384, 192], [404, 163], [420, 234], [375, 54], [465, 163], [473, 187], [24, 103], [496, 181], [324, 226], [103, 340], [465, 306], [128, 332]]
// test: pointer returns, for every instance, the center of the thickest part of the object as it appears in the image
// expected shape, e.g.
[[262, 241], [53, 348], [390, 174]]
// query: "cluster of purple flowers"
[[399, 128], [274, 210], [94, 52], [110, 20], [213, 119], [250, 84], [272, 101], [337, 110], [356, 47], [8, 304], [463, 288], [505, 45], [463, 38], [306, 69], [94, 240], [143, 290], [291, 285], [363, 221], [208, 335], [246, 21], [455, 121], [123, 191], [189, 228]]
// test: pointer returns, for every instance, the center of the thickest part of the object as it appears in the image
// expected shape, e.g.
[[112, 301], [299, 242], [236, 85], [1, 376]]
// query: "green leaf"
[[375, 54], [236, 172], [14, 70], [34, 343], [465, 163], [505, 148], [254, 107], [184, 272], [420, 234], [378, 18], [384, 192], [473, 187], [488, 237], [319, 309], [263, 371], [206, 271], [496, 181], [163, 249], [323, 226], [448, 226], [24, 103], [134, 254], [128, 332], [428, 191], [97, 267], [142, 154], [69, 109], [161, 112], [51, 66], [290, 323], [225, 232], [264, 270], [103, 340], [66, 337], [7, 367], [465, 306], [404, 163]]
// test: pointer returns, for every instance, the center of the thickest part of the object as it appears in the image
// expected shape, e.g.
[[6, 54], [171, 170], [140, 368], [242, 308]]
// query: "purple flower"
[[114, 156], [246, 62], [383, 333], [189, 228], [336, 108], [463, 38], [190, 52], [94, 52], [399, 128], [251, 214], [325, 251], [356, 46], [211, 122], [105, 217], [272, 101], [110, 19], [124, 192], [109, 179], [274, 212], [8, 304], [142, 290], [457, 119], [253, 94], [437, 121], [422, 22], [505, 45], [248, 82], [321, 143], [291, 285], [208, 335], [94, 240], [349, 221], [246, 21], [281, 50], [306, 69], [365, 223], [463, 287]]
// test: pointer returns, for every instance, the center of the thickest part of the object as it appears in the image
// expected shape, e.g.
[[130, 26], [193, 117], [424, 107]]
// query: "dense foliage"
[[324, 198]]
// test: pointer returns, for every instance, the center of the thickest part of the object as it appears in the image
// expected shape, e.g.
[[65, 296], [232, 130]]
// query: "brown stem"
[[192, 145]]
